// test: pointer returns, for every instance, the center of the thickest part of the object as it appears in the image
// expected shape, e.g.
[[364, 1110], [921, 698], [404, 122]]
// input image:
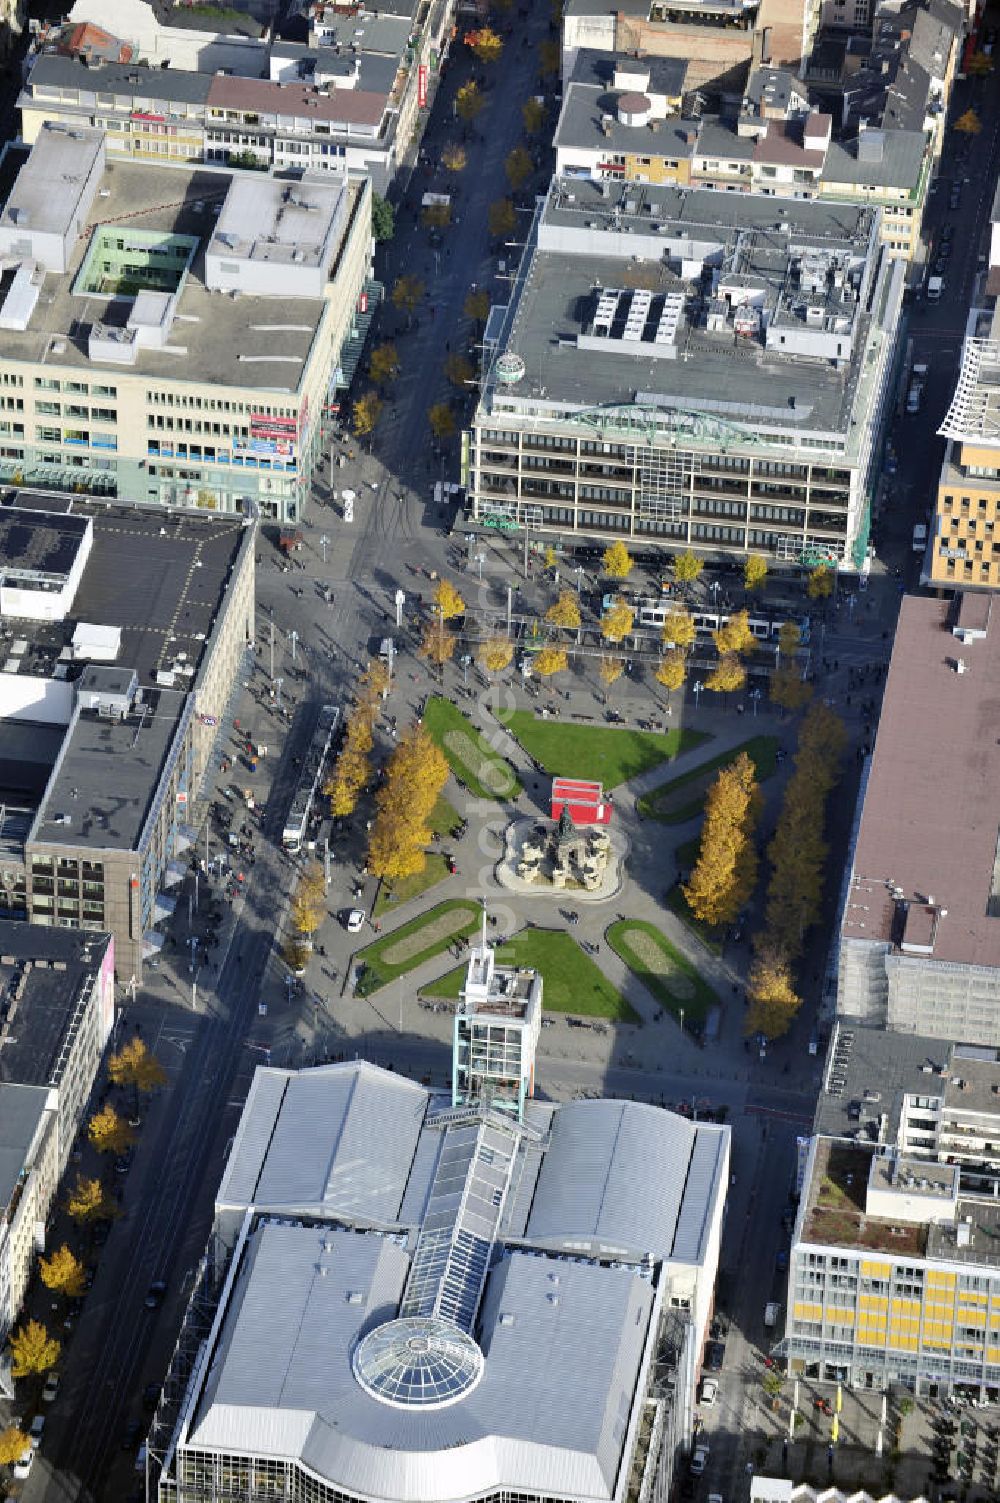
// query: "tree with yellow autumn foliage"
[[617, 561], [771, 994], [734, 635], [495, 654], [617, 621], [415, 775], [678, 629], [63, 1273], [13, 1445], [726, 870], [728, 674], [671, 671], [565, 612], [32, 1350], [550, 661], [109, 1132]]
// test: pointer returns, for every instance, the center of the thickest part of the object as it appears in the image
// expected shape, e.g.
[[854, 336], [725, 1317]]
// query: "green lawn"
[[484, 771], [667, 804], [601, 753], [443, 817], [438, 927], [408, 888], [572, 982], [662, 968]]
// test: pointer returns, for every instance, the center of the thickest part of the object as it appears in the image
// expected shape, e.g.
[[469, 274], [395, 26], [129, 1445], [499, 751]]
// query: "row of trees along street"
[[733, 640], [409, 291], [34, 1350]]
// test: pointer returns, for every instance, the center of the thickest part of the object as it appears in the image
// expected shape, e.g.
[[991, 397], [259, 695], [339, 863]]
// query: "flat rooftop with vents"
[[737, 307], [131, 267]]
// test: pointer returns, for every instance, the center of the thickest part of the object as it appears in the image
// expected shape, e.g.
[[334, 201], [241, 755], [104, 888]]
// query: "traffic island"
[[412, 944], [572, 983], [667, 974], [475, 764]]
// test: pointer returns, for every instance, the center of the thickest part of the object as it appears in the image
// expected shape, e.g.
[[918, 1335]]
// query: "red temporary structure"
[[588, 804]]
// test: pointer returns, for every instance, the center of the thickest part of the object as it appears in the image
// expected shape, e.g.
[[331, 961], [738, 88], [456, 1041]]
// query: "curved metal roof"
[[417, 1363]]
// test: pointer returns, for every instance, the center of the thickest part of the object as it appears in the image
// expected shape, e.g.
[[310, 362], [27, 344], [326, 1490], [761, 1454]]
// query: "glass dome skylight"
[[418, 1363]]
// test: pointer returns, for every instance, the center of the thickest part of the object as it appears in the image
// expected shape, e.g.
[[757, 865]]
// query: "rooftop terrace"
[[835, 1211]]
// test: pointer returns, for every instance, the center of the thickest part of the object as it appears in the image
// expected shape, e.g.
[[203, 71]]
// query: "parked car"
[[355, 921], [708, 1392], [150, 1396], [22, 1467], [699, 1460], [130, 1435], [715, 1355], [155, 1294], [35, 1433], [51, 1388]]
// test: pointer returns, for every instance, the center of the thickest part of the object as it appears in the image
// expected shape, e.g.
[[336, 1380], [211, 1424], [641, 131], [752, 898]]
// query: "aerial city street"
[[500, 751]]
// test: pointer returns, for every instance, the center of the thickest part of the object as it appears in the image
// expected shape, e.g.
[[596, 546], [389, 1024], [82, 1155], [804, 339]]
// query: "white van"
[[919, 542]]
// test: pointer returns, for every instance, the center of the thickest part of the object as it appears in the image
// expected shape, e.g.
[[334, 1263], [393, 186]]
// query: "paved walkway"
[[649, 874]]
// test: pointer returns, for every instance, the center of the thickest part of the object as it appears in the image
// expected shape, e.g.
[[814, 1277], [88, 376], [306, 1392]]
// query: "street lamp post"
[[579, 571], [480, 559], [466, 660], [324, 543], [755, 700], [293, 637], [696, 689]]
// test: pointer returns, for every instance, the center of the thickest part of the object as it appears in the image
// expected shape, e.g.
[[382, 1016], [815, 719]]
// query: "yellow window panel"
[[936, 1276], [872, 1270]]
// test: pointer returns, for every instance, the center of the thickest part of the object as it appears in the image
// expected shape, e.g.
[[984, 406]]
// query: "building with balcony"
[[498, 1021], [177, 337], [920, 928], [404, 1265], [57, 1009], [965, 542], [123, 633], [690, 369]]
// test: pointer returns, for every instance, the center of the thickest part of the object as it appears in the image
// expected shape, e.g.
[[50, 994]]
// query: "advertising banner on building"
[[422, 86]]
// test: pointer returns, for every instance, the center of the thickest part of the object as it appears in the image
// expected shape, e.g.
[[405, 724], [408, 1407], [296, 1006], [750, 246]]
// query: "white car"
[[709, 1392], [51, 1388], [355, 921], [22, 1467], [699, 1461]]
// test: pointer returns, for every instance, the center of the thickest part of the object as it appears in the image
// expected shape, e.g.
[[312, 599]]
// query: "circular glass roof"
[[418, 1363]]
